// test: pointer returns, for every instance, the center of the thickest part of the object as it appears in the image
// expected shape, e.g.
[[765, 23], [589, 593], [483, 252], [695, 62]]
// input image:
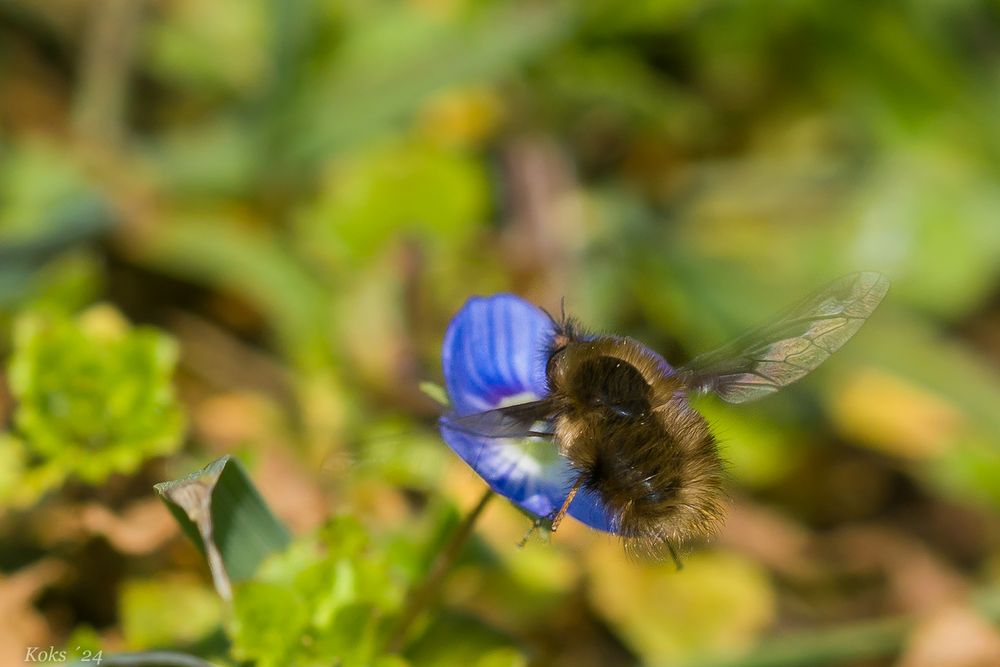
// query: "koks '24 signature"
[[53, 654]]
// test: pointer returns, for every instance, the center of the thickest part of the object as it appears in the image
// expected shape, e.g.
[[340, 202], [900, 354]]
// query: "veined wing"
[[513, 421], [769, 357]]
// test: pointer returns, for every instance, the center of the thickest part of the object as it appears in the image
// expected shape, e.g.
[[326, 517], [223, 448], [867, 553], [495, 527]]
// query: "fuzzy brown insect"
[[620, 415]]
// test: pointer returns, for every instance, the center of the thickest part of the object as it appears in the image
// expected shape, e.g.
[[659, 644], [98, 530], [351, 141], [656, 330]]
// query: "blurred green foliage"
[[94, 392], [291, 198], [333, 596], [438, 194], [321, 601], [94, 397], [167, 612]]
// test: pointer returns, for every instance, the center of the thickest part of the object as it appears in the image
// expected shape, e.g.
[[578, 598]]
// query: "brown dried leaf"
[[23, 625], [953, 637]]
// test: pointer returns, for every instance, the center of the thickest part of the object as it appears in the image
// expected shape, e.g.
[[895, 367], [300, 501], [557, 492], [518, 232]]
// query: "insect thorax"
[[635, 441]]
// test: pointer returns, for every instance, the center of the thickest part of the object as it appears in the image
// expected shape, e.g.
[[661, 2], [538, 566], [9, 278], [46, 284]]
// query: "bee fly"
[[620, 415]]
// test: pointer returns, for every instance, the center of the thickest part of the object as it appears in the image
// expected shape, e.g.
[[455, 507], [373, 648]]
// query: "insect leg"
[[535, 525], [565, 506], [673, 554]]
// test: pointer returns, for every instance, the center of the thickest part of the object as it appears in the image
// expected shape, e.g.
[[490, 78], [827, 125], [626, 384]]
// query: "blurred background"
[[241, 227]]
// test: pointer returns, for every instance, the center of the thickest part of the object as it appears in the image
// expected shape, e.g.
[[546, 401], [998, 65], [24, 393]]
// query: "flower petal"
[[508, 466], [493, 350], [537, 481], [493, 355], [588, 509]]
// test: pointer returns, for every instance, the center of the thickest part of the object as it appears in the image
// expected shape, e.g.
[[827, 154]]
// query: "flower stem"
[[422, 596]]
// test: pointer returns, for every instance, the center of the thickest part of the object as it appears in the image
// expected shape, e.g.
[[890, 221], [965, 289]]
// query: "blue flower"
[[494, 355]]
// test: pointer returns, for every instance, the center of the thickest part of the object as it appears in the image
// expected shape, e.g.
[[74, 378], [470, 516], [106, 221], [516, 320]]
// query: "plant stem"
[[422, 596], [146, 659]]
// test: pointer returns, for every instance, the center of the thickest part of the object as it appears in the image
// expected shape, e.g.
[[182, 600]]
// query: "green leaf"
[[268, 624], [45, 194], [181, 47], [436, 392], [46, 207], [253, 265], [22, 483], [221, 510], [172, 612], [320, 602], [94, 395], [459, 640], [437, 194], [391, 64], [720, 601]]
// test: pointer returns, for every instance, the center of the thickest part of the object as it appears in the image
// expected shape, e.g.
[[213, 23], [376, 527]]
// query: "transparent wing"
[[765, 359], [514, 421]]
